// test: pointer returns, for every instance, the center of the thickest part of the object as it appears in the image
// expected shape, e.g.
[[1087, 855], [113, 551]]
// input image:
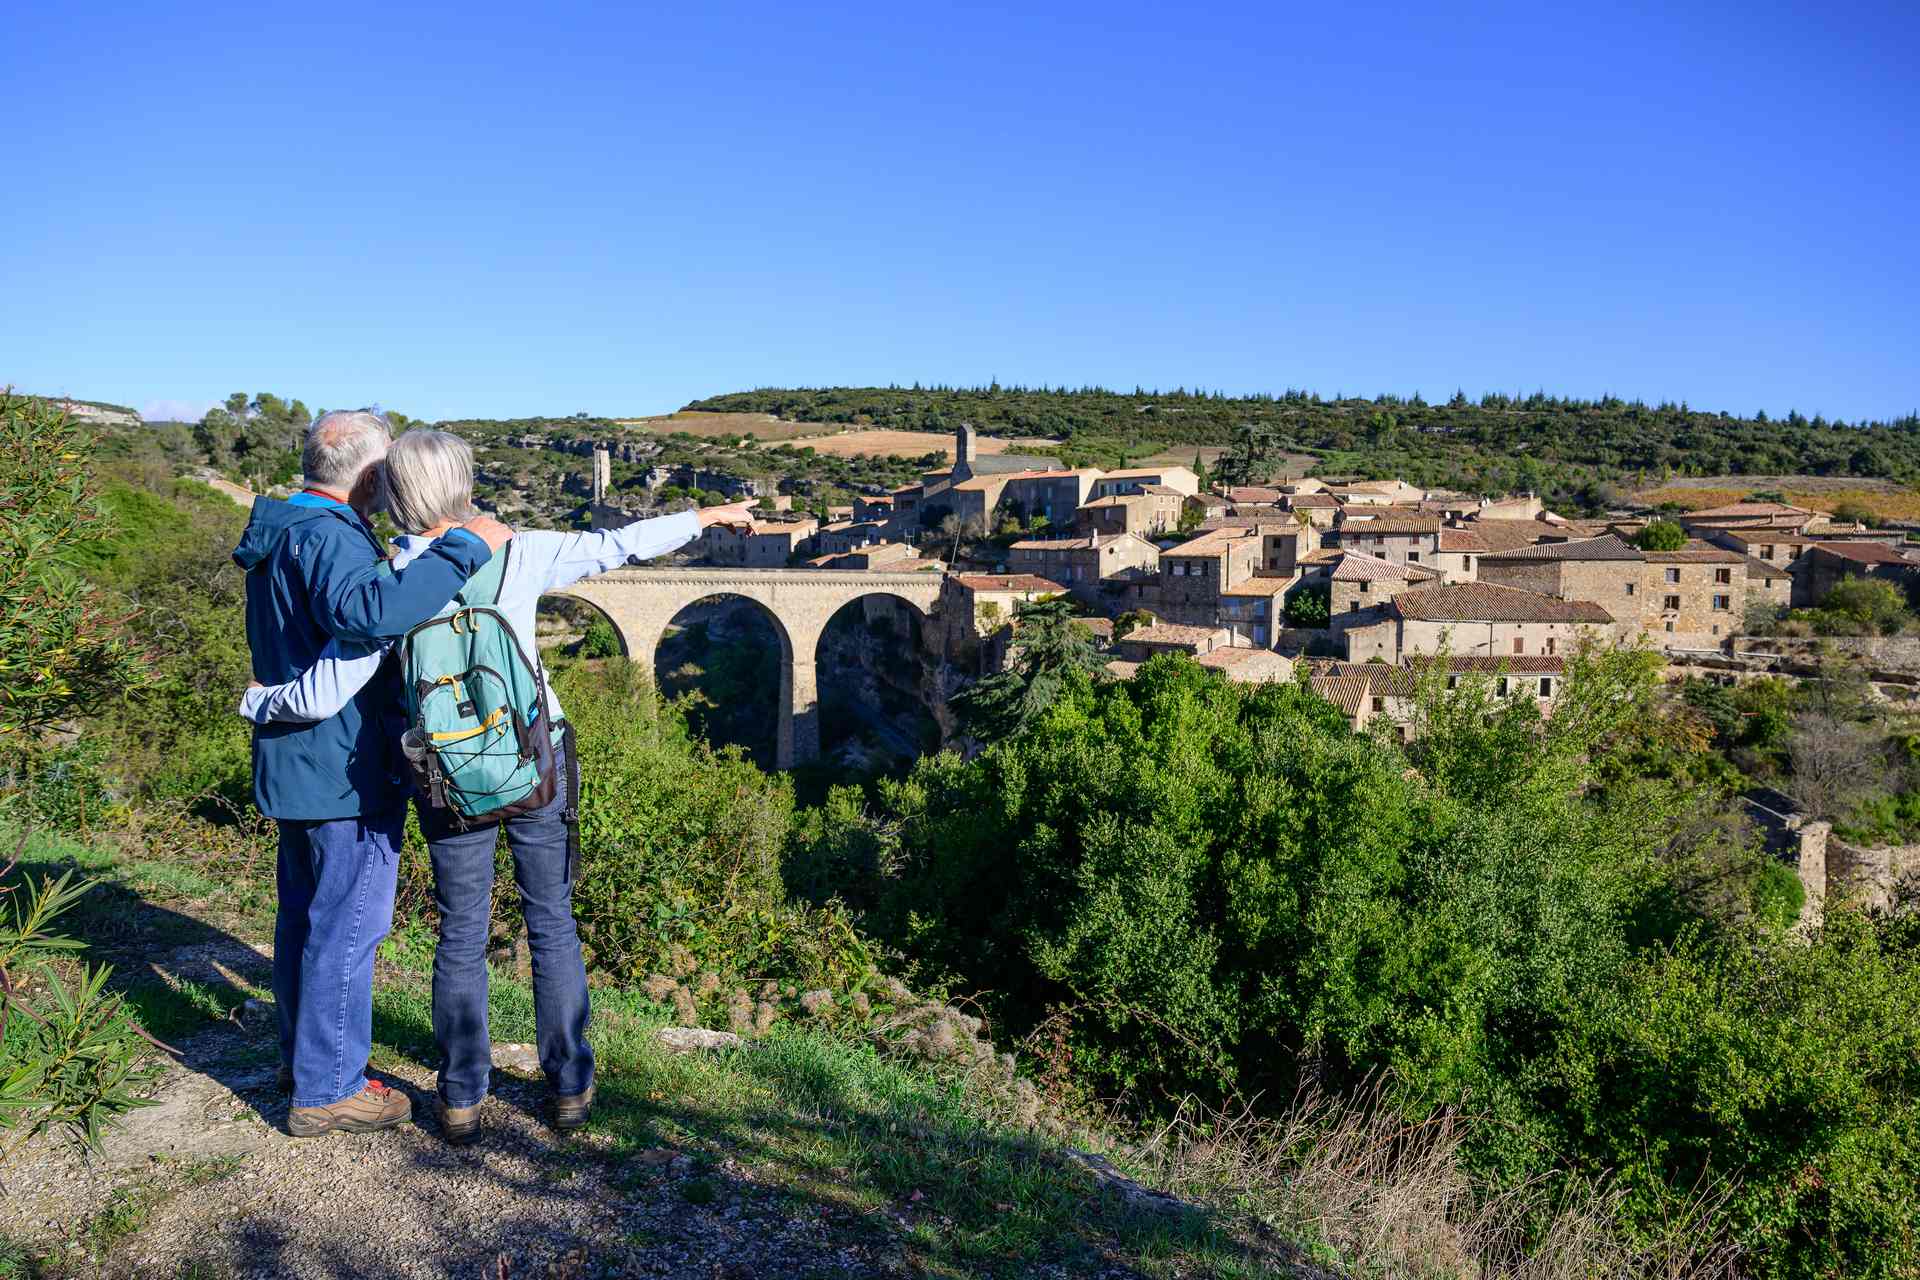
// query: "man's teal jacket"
[[315, 571]]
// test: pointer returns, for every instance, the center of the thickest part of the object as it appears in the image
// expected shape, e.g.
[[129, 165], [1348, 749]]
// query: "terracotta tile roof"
[[1608, 547], [1520, 664], [1160, 490], [1324, 555], [1463, 540], [1484, 602], [1214, 541], [1172, 634], [1259, 587], [1349, 693], [1086, 543], [1696, 552], [1122, 669], [1129, 472], [1507, 535], [1252, 493], [1114, 500], [1356, 567], [1007, 582], [1248, 666], [1390, 522], [1755, 536], [1322, 501], [1758, 568], [1862, 552]]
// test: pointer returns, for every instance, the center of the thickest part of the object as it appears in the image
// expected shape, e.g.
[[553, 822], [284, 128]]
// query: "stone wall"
[[1866, 875]]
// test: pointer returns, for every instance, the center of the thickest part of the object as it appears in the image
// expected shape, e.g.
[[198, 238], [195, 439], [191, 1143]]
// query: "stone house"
[[1769, 582], [1608, 571], [1151, 511], [1456, 552], [763, 544], [1180, 480], [1143, 643], [1253, 610], [1097, 568], [1194, 574], [1321, 508], [1248, 666], [1694, 598], [976, 613], [1477, 619], [1366, 691], [873, 556], [1401, 537], [837, 539], [1748, 515], [875, 507], [1824, 565]]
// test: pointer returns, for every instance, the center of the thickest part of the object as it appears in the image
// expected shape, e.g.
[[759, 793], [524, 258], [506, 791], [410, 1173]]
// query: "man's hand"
[[490, 530], [732, 514]]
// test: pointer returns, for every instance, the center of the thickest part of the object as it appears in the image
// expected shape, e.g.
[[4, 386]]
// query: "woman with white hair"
[[429, 482]]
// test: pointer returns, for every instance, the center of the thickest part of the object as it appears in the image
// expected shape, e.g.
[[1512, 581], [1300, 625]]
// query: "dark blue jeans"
[[336, 903], [463, 892]]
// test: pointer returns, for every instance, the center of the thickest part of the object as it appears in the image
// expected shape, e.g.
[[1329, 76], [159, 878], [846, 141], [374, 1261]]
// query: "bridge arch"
[[642, 602]]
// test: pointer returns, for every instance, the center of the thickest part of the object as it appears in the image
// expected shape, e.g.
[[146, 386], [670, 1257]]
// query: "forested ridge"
[[1497, 443]]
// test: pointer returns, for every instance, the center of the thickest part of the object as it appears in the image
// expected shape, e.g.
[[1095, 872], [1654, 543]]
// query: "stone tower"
[[602, 475], [965, 449]]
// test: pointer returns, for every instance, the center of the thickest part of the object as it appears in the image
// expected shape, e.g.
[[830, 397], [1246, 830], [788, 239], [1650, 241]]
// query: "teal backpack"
[[478, 739]]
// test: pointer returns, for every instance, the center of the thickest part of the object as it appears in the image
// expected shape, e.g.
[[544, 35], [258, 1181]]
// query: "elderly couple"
[[325, 606]]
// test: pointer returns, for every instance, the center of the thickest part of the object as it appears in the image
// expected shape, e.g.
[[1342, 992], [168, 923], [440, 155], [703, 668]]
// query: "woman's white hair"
[[429, 480]]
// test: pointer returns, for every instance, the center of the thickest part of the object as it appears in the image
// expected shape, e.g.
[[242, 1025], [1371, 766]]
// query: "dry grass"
[[707, 426], [847, 443], [1388, 1196], [1885, 499]]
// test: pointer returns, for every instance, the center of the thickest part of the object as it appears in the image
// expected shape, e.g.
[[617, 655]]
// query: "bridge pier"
[[641, 603]]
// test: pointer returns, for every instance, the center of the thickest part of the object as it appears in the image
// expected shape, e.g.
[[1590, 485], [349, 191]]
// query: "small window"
[[1673, 575], [1365, 587], [1453, 682], [1671, 604], [1724, 576], [1716, 631], [1766, 552], [1550, 644], [1629, 588], [1519, 644], [1723, 602], [1379, 706], [1669, 628], [1500, 687], [1546, 686], [1469, 562], [1413, 557]]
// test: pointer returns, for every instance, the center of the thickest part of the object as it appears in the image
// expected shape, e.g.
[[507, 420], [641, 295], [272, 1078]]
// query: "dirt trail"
[[214, 1187]]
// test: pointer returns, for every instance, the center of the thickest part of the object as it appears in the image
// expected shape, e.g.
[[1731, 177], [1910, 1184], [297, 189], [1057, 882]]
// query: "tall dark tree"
[[1050, 650]]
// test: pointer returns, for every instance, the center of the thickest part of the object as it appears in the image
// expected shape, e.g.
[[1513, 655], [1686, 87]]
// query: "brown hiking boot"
[[573, 1112], [458, 1125], [374, 1107]]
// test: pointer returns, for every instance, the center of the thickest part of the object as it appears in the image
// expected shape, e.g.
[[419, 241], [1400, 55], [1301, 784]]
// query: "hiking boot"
[[574, 1111], [374, 1107], [458, 1125]]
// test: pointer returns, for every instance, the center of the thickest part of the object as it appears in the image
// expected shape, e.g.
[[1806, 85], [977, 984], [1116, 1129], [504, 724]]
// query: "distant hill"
[[1495, 444]]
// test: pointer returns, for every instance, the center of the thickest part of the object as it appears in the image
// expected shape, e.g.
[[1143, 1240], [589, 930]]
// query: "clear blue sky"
[[500, 210]]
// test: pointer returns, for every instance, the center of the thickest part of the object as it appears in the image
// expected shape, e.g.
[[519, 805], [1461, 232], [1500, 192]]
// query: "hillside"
[[1496, 444]]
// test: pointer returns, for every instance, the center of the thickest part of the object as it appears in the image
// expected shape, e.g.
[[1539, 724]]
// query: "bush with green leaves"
[[600, 641], [72, 1058], [1661, 535], [1309, 607], [1862, 606], [1221, 890]]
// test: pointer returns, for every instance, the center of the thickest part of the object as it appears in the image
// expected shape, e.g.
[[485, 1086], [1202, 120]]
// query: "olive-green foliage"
[[170, 561], [1215, 885], [681, 847], [1862, 606], [1049, 650], [72, 1058], [1309, 607], [1567, 450], [63, 651], [1661, 535], [601, 640]]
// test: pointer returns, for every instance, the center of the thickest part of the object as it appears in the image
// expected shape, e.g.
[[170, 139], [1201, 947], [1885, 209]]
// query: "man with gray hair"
[[336, 787]]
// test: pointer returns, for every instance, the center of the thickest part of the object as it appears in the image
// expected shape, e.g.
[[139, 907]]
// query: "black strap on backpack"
[[570, 812]]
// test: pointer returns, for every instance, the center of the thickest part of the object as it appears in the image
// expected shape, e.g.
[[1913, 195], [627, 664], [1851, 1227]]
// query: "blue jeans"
[[463, 893], [336, 902]]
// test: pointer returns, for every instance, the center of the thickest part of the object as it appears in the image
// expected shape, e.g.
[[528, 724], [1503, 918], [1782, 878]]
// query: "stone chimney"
[[602, 475]]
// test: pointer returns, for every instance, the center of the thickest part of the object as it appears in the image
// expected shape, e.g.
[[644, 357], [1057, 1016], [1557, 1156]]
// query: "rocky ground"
[[207, 1184]]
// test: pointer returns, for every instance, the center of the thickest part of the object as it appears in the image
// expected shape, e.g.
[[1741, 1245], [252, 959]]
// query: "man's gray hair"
[[429, 480], [341, 445]]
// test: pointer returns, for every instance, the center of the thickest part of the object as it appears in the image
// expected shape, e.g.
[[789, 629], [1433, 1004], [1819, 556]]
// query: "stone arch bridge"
[[641, 602]]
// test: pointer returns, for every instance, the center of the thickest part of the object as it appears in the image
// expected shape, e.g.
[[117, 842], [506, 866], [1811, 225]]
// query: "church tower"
[[965, 449]]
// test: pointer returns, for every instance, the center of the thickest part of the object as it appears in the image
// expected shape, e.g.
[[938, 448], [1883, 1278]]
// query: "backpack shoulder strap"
[[483, 588]]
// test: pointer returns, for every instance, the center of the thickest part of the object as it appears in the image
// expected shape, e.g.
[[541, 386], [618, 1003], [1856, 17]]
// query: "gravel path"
[[207, 1184]]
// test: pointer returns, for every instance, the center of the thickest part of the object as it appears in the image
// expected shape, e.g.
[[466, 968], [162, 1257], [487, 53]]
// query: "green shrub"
[[601, 640], [1661, 535], [1309, 607]]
